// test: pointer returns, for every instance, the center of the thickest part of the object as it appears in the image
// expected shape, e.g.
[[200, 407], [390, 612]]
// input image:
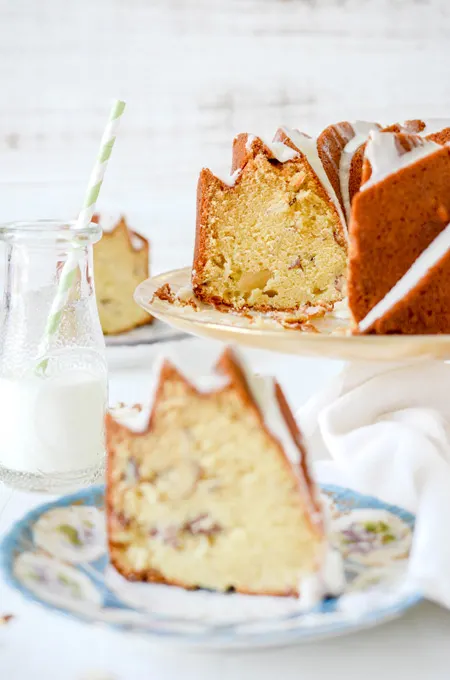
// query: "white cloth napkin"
[[386, 428]]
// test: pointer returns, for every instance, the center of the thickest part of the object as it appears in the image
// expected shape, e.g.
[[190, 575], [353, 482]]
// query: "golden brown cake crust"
[[116, 432], [356, 170], [330, 145], [389, 229]]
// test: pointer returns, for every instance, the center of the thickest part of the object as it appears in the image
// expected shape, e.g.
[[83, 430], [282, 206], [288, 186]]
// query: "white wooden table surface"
[[42, 645]]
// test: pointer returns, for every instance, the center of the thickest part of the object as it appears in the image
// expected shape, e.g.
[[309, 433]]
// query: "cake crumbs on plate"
[[297, 320], [182, 298]]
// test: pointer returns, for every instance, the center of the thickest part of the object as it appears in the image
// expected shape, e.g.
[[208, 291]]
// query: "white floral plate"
[[56, 556]]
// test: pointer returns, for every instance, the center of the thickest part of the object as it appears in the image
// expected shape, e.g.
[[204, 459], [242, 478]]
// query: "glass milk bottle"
[[53, 388]]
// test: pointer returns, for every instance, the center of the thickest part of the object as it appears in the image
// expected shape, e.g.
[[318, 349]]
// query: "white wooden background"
[[194, 73]]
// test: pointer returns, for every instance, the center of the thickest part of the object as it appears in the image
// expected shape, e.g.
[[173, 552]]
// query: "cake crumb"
[[6, 618]]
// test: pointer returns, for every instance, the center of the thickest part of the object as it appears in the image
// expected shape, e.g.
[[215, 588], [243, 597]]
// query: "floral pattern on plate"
[[57, 556], [75, 534], [55, 582], [371, 537]]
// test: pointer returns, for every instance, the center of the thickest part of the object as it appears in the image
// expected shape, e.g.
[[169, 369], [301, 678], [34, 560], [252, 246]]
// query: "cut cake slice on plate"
[[214, 490]]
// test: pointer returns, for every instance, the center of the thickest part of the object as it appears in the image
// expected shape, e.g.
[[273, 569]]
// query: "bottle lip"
[[53, 231]]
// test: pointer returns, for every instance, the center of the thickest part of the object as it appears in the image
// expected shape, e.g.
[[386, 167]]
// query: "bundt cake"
[[121, 262], [399, 259], [214, 490], [273, 235]]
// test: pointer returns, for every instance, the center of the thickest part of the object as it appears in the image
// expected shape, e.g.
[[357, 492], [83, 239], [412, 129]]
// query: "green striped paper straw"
[[69, 270]]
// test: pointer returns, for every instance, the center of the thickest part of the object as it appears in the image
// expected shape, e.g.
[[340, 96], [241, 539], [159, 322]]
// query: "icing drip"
[[229, 180], [185, 292], [249, 142], [280, 151], [426, 260], [108, 222], [137, 242], [263, 390], [264, 393], [308, 147], [361, 130], [329, 580], [385, 158]]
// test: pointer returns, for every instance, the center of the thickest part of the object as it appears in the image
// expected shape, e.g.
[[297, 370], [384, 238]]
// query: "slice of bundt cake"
[[273, 236], [341, 150], [214, 491], [399, 269], [121, 263]]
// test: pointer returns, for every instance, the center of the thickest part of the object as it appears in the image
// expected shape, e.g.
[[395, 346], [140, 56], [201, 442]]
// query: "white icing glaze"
[[308, 148], [263, 390], [328, 580], [361, 130], [385, 158], [185, 292], [264, 393], [249, 142], [426, 260], [229, 180], [137, 241], [282, 152], [108, 222]]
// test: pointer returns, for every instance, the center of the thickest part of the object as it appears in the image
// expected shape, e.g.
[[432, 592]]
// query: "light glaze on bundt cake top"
[[272, 236], [399, 262], [388, 152], [341, 150], [214, 490], [433, 129]]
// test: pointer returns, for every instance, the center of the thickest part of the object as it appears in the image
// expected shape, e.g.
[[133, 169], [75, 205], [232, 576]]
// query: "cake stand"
[[331, 341]]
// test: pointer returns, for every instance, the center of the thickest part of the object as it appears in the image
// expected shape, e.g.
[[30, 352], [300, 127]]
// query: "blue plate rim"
[[221, 638]]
